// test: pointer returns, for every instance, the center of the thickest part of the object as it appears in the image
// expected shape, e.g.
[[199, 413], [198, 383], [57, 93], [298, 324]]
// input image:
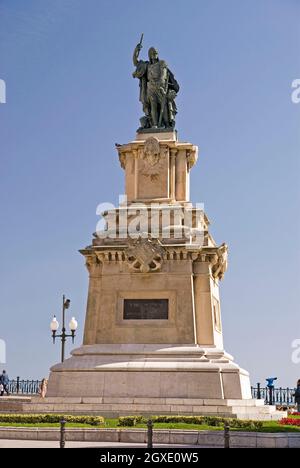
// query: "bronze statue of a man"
[[158, 90]]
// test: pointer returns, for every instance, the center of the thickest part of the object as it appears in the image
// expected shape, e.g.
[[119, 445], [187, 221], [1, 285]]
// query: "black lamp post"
[[55, 325]]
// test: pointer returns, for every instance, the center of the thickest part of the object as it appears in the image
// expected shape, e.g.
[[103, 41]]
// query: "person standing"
[[43, 388], [4, 380], [297, 396]]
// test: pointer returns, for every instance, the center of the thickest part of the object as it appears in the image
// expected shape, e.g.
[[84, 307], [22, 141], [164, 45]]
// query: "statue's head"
[[153, 54]]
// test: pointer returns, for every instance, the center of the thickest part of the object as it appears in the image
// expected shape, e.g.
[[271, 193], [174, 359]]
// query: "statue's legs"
[[166, 119], [162, 106], [154, 109], [171, 115]]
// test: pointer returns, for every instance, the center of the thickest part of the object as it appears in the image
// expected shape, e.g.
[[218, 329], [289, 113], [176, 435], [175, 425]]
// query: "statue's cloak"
[[141, 74]]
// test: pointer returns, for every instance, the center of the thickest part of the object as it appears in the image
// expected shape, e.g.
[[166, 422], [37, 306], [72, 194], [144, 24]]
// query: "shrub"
[[130, 421], [50, 418]]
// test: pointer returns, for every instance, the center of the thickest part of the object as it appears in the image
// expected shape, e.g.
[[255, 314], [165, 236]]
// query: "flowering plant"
[[290, 422]]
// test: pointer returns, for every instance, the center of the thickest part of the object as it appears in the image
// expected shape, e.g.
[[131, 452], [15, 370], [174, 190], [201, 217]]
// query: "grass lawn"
[[268, 426]]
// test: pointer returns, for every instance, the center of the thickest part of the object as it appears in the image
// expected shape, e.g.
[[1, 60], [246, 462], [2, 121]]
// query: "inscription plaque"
[[146, 309]]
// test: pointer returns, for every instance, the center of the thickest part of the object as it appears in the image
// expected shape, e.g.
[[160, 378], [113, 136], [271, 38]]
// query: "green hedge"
[[130, 421], [50, 418]]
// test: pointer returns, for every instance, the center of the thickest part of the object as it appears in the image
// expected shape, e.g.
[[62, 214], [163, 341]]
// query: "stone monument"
[[153, 339]]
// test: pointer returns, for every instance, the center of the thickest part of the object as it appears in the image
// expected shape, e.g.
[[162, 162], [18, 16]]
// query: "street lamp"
[[54, 325]]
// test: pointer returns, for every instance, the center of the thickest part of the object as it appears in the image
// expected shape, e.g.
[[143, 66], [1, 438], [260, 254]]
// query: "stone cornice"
[[133, 148], [215, 256]]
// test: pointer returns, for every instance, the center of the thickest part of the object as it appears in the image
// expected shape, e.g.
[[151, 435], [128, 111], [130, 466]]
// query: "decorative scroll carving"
[[191, 156], [220, 266], [92, 263], [122, 159], [122, 155]]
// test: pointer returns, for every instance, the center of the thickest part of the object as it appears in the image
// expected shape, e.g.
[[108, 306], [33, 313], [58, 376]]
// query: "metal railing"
[[23, 387], [280, 396]]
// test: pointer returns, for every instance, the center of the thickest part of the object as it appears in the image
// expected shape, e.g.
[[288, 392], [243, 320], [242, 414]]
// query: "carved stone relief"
[[144, 255]]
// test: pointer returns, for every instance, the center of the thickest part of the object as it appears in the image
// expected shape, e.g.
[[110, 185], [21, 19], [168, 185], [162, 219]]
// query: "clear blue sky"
[[70, 97]]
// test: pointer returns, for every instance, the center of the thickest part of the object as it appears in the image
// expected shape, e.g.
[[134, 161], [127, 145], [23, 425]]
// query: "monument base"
[[115, 380], [149, 371]]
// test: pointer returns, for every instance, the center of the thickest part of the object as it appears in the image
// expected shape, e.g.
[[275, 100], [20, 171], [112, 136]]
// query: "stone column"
[[173, 153], [94, 268], [203, 304], [135, 172], [129, 162], [181, 175]]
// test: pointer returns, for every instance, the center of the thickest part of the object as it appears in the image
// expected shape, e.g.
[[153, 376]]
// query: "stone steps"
[[114, 407], [13, 403], [149, 401]]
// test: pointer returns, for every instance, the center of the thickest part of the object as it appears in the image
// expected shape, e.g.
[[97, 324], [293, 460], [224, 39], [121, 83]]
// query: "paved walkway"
[[11, 443]]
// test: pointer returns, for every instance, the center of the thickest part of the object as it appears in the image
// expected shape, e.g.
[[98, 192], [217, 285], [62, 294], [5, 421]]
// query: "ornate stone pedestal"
[[153, 336]]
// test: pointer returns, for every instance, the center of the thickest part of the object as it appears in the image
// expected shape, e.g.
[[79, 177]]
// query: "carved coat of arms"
[[144, 255], [151, 152]]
